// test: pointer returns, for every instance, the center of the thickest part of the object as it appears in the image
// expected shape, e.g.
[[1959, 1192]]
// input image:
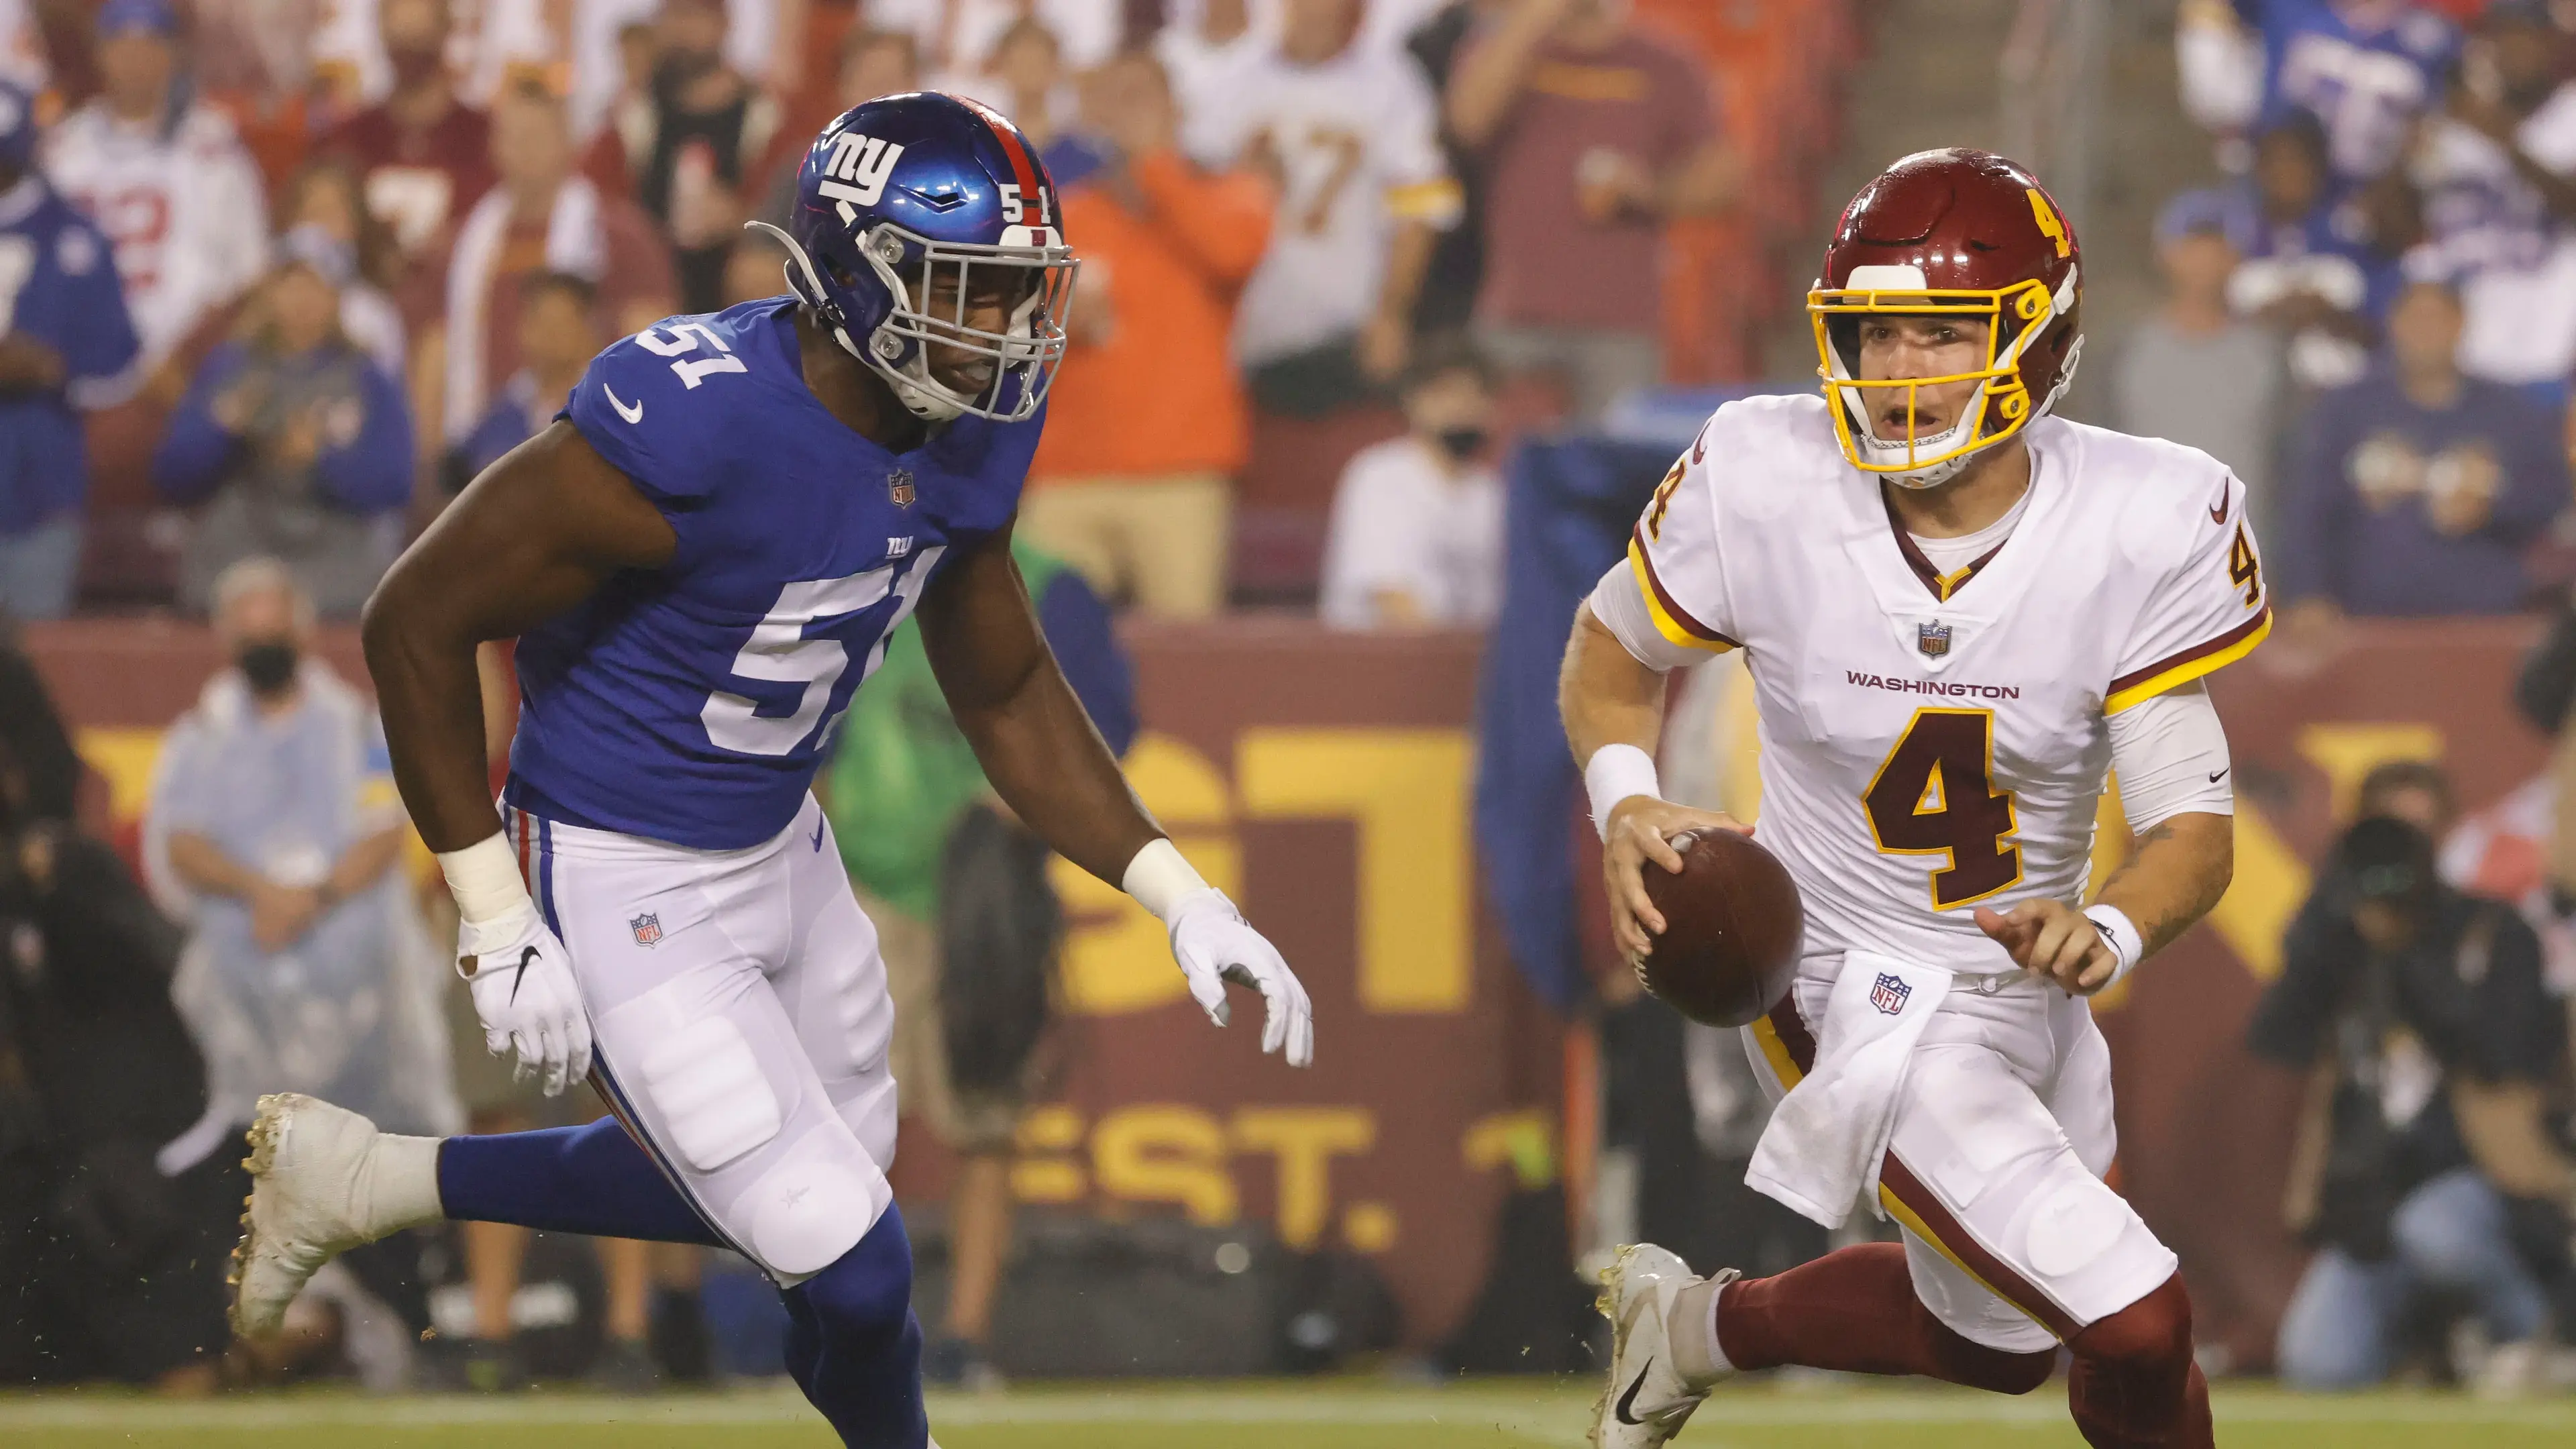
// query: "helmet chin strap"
[[919, 399]]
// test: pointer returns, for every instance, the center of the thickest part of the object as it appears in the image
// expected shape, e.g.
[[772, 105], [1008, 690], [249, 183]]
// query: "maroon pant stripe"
[[1944, 1228]]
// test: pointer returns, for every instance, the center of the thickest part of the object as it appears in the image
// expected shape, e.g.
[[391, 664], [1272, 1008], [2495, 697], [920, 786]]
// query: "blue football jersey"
[[2364, 71], [57, 285], [692, 704]]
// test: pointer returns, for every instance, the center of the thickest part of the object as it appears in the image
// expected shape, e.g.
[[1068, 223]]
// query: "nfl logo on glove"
[[647, 928], [1888, 993]]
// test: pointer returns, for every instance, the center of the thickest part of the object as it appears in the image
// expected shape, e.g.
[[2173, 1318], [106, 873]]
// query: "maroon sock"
[[1855, 1310], [2134, 1385]]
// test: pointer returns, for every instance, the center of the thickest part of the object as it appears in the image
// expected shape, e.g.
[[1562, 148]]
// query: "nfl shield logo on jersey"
[[1889, 992], [648, 929], [1933, 640], [899, 487]]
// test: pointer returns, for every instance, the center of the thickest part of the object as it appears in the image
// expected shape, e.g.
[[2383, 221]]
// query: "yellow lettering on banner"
[[1038, 1174], [2349, 752], [124, 756], [1304, 1140], [1407, 790], [2271, 882], [1166, 1154], [1526, 1139], [1116, 956], [1369, 1227]]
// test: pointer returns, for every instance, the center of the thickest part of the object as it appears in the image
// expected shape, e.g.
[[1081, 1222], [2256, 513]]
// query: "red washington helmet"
[[1953, 232]]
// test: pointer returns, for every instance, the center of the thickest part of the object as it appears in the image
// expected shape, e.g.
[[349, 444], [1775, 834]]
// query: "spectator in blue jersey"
[[2365, 69], [66, 344], [558, 333], [2497, 169], [297, 443], [2416, 489], [2319, 271]]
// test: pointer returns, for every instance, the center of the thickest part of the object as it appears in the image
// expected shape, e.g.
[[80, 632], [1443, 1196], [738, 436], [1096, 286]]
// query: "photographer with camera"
[[2421, 1015]]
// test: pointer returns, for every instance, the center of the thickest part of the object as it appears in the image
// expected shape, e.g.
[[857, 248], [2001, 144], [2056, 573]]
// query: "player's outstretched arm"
[[1042, 755], [1613, 707], [535, 535]]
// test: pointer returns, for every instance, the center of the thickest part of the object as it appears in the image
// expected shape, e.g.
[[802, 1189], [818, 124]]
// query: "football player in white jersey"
[[1960, 615]]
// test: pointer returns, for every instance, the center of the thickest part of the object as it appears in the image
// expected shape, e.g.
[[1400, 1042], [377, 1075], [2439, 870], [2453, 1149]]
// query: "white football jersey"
[[1357, 142], [1929, 743], [182, 206]]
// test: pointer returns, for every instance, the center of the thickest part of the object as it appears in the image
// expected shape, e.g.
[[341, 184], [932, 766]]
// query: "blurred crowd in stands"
[[2374, 320], [277, 279]]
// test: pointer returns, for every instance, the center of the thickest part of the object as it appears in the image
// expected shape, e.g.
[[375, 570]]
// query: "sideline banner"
[[1324, 779]]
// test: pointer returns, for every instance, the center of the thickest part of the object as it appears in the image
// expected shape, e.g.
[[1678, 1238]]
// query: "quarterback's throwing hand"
[[2055, 940], [1641, 831], [1215, 945], [526, 996]]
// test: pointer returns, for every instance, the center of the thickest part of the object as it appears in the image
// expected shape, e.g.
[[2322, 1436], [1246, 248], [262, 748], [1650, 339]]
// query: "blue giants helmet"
[[905, 208]]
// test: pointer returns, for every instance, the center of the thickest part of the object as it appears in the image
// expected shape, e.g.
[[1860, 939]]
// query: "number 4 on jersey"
[[1935, 795]]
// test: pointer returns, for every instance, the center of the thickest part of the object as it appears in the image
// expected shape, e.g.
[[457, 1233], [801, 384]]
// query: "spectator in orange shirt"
[[1133, 482]]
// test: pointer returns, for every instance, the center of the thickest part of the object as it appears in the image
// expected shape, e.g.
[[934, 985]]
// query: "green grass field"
[[1344, 1414]]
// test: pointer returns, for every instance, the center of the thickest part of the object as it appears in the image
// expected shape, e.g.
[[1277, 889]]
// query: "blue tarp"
[[1570, 502]]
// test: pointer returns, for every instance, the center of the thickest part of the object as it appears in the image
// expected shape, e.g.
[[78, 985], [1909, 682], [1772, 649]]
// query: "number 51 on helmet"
[[908, 209]]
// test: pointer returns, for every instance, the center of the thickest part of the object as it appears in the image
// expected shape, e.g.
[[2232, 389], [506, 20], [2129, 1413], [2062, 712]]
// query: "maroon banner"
[[1325, 780]]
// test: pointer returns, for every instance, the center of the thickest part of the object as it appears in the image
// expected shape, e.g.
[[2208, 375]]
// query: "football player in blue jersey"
[[701, 560]]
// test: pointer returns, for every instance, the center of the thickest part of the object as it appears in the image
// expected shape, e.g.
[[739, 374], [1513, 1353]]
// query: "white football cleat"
[[323, 1180], [1645, 1403]]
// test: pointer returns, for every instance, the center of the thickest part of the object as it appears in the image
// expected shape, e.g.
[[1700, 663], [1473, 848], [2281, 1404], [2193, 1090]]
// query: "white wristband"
[[1614, 773], [484, 878], [2121, 935], [1159, 876]]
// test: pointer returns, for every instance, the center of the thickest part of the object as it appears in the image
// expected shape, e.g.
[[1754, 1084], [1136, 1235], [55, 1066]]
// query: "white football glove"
[[1215, 945], [525, 994]]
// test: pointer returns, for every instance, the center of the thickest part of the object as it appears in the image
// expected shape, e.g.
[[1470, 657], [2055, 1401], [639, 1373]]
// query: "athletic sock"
[[1855, 1310], [398, 1186], [854, 1346], [591, 1180], [1691, 1329]]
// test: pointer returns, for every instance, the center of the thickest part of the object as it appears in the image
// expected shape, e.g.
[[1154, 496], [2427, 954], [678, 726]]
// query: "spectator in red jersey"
[[543, 216], [1594, 137], [688, 148], [423, 156]]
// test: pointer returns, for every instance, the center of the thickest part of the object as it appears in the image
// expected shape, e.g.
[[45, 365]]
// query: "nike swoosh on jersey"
[[1628, 1400], [2214, 779], [635, 414], [2217, 511], [818, 833]]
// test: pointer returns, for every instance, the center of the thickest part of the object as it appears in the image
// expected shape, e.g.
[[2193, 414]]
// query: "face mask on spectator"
[[268, 665], [1462, 444]]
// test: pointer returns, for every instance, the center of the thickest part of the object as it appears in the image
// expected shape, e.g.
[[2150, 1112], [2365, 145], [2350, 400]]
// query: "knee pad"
[[868, 1287], [2152, 1333], [821, 1196]]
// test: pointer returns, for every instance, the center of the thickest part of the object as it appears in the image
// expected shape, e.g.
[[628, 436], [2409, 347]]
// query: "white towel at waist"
[[1828, 1136]]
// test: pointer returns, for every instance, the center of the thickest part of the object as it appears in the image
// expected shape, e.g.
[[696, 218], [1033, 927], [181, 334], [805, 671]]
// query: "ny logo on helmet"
[[857, 173]]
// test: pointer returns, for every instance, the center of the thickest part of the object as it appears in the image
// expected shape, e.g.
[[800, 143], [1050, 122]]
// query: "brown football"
[[1732, 921]]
